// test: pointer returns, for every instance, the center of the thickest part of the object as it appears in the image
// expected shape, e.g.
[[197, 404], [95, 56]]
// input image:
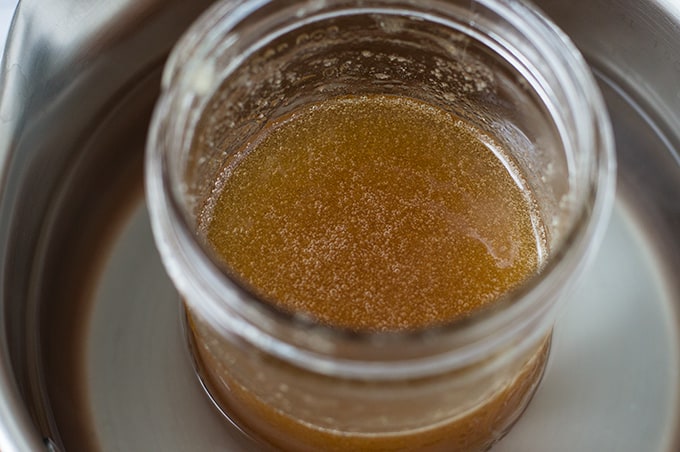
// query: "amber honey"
[[370, 213], [374, 213]]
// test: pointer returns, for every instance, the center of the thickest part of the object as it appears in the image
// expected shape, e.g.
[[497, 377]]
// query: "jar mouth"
[[525, 312]]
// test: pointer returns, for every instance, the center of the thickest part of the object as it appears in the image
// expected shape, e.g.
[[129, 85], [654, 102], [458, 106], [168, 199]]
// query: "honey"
[[370, 213], [374, 213]]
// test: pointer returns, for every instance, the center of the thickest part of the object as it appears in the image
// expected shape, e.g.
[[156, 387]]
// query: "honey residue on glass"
[[374, 213]]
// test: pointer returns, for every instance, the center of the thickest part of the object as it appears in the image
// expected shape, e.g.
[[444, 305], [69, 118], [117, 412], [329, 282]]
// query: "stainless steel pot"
[[77, 78], [79, 81]]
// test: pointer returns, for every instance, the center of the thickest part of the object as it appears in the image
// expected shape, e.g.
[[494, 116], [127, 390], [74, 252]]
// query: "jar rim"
[[329, 349]]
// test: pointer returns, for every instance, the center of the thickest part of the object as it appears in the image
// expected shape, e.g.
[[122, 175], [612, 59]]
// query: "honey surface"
[[374, 213]]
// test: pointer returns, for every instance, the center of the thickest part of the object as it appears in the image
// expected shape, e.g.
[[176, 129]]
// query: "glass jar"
[[295, 384]]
